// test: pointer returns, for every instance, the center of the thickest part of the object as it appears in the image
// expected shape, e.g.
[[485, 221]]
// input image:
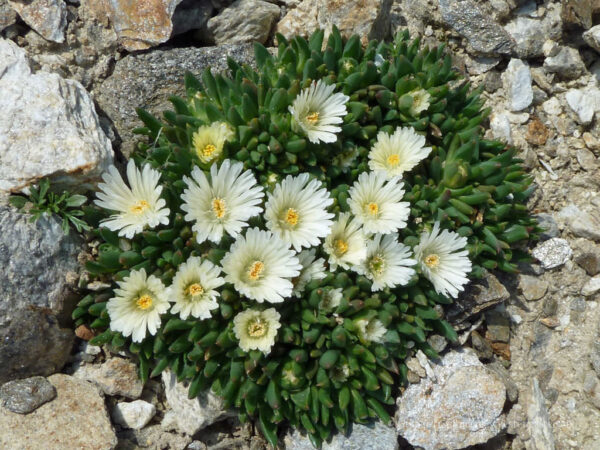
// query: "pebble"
[[591, 286], [592, 37], [135, 415], [512, 390], [552, 253], [567, 63], [537, 132], [532, 287], [590, 262], [517, 84], [540, 428], [25, 396], [586, 159], [548, 224], [243, 21], [498, 325], [481, 346], [117, 376], [500, 126], [584, 103]]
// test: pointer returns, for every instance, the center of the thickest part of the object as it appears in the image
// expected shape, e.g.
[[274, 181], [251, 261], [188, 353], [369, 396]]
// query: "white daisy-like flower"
[[370, 330], [138, 303], [261, 266], [221, 203], [138, 206], [296, 211], [316, 111], [209, 140], [444, 260], [346, 245], [331, 298], [256, 330], [193, 288], [312, 269], [388, 262], [420, 101], [397, 153], [376, 203]]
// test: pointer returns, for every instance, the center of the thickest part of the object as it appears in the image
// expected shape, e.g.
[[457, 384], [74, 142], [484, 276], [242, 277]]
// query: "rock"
[[566, 64], [8, 16], [590, 262], [191, 15], [530, 33], [370, 19], [512, 390], [591, 286], [540, 428], [595, 357], [517, 84], [483, 34], [537, 132], [373, 436], [550, 306], [437, 342], [45, 111], [584, 103], [548, 224], [579, 12], [478, 65], [533, 288], [481, 346], [500, 126], [552, 106], [552, 253], [498, 325], [492, 81], [144, 80], [155, 437], [46, 17], [592, 37], [464, 407], [192, 415], [586, 159], [25, 396], [76, 418], [243, 21], [581, 223], [134, 414], [117, 376], [84, 332]]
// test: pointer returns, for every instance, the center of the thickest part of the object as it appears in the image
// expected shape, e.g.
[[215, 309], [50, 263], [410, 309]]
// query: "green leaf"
[[17, 201], [76, 200]]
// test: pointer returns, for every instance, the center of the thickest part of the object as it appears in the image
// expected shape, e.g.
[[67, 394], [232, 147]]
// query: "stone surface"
[[374, 436], [76, 418], [190, 416], [579, 12], [552, 253], [483, 34], [582, 223], [530, 33], [584, 103], [147, 80], [117, 376], [590, 262], [25, 396], [45, 111], [46, 17], [512, 390], [500, 126], [549, 225], [586, 159], [191, 15], [592, 37], [591, 287], [462, 407], [155, 437], [537, 132], [8, 16], [134, 414], [540, 428], [517, 84], [533, 288], [370, 19], [566, 64], [243, 21]]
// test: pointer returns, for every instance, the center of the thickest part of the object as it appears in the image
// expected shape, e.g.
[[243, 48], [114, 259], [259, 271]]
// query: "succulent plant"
[[340, 343]]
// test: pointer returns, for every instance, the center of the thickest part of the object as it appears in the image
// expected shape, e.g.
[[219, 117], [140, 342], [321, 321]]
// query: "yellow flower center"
[[194, 289], [219, 208], [291, 216], [312, 118], [144, 302], [341, 246], [255, 270], [377, 265], [208, 150], [140, 207], [432, 261], [373, 208], [393, 160], [257, 328]]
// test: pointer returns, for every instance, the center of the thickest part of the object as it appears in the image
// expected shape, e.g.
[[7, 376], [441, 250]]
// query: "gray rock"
[[577, 310], [512, 390], [155, 437], [586, 159], [498, 325], [579, 13], [549, 225], [540, 428], [550, 306], [117, 376], [530, 33], [584, 103], [590, 262], [566, 64], [595, 356], [592, 37], [582, 223], [146, 80], [462, 407], [552, 253], [533, 288], [25, 396], [135, 415], [483, 34], [191, 15], [8, 16], [46, 17], [374, 436], [517, 84], [591, 286], [190, 416], [438, 342], [492, 81], [481, 346], [243, 21], [76, 418], [45, 111]]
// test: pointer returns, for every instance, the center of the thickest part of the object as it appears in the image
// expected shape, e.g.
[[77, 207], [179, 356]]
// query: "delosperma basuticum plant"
[[288, 233]]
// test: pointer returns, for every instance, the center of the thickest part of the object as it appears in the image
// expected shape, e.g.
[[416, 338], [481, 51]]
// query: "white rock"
[[500, 126], [48, 127], [46, 17], [517, 84], [592, 37], [539, 420], [134, 415], [529, 33], [581, 223], [372, 436], [552, 106], [584, 103], [591, 287], [552, 253]]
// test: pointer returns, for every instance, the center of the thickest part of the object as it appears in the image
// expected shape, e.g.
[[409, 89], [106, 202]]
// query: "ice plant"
[[256, 329], [346, 245], [312, 269], [209, 141]]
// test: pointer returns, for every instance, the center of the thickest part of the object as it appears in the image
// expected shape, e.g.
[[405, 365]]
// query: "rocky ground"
[[526, 371]]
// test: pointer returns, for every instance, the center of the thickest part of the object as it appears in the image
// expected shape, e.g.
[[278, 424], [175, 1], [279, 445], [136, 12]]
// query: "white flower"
[[138, 303], [331, 298], [256, 330], [316, 110], [209, 140], [388, 262], [221, 203], [370, 330], [193, 288], [138, 206], [346, 245], [260, 266], [376, 203], [296, 211], [311, 270], [444, 260], [420, 101], [397, 153]]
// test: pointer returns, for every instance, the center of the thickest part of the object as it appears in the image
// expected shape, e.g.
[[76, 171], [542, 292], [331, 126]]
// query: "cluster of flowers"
[[274, 262]]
